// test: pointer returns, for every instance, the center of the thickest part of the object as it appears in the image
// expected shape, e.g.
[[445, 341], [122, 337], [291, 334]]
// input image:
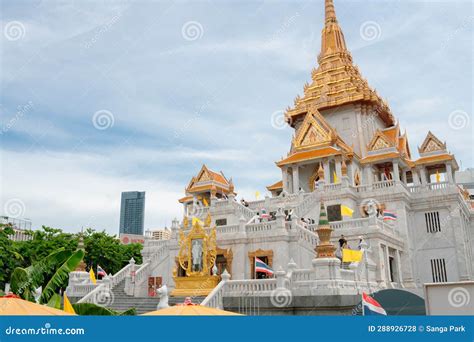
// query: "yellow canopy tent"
[[190, 309], [12, 305]]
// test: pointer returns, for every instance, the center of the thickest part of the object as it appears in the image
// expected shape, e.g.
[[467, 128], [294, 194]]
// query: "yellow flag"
[[196, 220], [257, 194], [92, 276], [438, 177], [336, 180], [346, 211], [349, 255], [67, 306], [205, 202]]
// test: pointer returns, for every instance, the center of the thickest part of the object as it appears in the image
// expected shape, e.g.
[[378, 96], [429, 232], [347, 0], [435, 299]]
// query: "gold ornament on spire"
[[337, 80]]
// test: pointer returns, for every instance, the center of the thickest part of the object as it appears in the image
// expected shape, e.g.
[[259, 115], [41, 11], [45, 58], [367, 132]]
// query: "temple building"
[[349, 176]]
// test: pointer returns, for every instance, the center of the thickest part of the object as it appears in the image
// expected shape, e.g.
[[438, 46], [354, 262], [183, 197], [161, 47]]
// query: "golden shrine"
[[196, 257]]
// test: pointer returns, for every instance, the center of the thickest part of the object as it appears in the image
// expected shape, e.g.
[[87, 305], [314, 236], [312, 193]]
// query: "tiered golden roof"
[[336, 81], [207, 181]]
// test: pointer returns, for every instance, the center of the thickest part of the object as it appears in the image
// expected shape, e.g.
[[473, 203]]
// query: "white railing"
[[354, 223], [93, 296], [307, 204], [383, 184], [253, 287], [215, 299], [142, 273], [155, 243], [259, 227], [438, 186], [302, 275], [243, 210], [120, 275], [220, 203], [307, 236], [332, 186], [227, 229]]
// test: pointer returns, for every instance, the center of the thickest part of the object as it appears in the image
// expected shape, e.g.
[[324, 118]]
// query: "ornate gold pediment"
[[432, 144], [314, 131], [379, 142], [203, 175]]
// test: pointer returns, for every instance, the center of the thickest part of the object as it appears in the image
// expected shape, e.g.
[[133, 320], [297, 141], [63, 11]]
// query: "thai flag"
[[389, 216], [260, 266], [370, 307], [100, 271]]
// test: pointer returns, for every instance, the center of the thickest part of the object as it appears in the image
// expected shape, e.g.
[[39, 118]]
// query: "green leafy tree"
[[9, 254], [107, 251]]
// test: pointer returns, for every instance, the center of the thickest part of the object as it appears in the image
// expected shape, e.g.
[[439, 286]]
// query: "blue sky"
[[100, 97]]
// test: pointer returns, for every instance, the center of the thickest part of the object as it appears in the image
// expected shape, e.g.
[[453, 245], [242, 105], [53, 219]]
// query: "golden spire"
[[330, 12], [336, 81], [332, 38]]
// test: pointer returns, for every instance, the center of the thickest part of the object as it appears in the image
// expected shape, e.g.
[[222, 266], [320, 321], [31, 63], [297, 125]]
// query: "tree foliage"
[[35, 260]]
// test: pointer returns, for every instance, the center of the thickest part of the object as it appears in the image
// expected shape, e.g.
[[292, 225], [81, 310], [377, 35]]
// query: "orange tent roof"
[[12, 306], [191, 310]]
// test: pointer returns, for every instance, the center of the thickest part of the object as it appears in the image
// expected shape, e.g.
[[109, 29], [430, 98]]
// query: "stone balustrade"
[[260, 227], [251, 287]]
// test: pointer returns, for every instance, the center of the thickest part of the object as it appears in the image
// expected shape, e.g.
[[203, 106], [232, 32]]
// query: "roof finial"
[[330, 12]]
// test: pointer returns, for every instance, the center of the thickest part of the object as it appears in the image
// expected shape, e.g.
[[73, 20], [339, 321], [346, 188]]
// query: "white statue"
[[197, 255], [163, 294]]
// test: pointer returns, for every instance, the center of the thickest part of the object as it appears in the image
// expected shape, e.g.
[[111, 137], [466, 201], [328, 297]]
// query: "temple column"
[[416, 177], [369, 177], [338, 170], [296, 179], [284, 177], [399, 266], [387, 266], [327, 172], [396, 171], [449, 173], [404, 176], [423, 176]]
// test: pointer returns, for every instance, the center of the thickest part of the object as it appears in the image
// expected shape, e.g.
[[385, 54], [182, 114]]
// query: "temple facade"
[[414, 224]]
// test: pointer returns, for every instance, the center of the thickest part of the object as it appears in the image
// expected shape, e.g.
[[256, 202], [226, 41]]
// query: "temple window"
[[433, 224], [438, 270], [221, 222], [334, 213]]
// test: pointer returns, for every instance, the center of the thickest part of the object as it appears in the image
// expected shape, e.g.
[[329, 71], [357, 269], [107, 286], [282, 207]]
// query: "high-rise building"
[[21, 228], [160, 234], [132, 212]]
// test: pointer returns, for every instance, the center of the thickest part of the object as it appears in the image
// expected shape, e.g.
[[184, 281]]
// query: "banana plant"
[[51, 271]]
